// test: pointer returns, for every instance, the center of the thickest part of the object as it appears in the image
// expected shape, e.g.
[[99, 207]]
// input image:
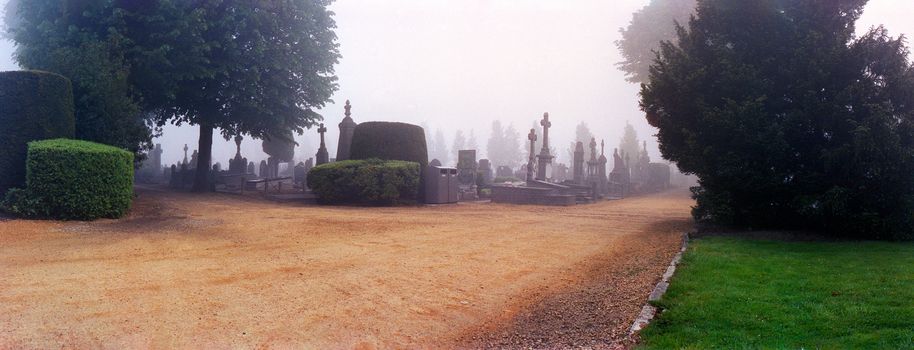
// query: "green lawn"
[[744, 294]]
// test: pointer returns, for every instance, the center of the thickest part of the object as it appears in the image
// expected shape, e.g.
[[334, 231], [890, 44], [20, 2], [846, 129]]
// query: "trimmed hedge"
[[390, 141], [74, 180], [371, 181], [34, 105]]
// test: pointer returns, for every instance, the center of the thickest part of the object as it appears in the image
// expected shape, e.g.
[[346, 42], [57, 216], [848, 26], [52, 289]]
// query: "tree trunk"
[[204, 158]]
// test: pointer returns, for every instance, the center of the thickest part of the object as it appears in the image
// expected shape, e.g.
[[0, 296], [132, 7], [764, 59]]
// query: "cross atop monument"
[[348, 108], [322, 130], [532, 137], [238, 139], [593, 148], [185, 153], [546, 125]]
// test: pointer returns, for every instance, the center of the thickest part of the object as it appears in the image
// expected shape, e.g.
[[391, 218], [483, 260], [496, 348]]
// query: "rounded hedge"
[[389, 141], [34, 105], [74, 180], [371, 181]]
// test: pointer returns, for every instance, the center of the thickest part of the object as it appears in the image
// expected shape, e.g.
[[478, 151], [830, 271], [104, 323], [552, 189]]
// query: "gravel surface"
[[223, 271]]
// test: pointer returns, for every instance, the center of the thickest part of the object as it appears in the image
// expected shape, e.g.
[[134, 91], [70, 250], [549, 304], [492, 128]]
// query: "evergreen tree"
[[649, 26], [459, 145], [787, 118], [441, 151], [581, 133], [629, 143]]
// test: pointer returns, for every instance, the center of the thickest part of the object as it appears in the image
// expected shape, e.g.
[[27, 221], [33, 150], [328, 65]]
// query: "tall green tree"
[[787, 118], [581, 133], [649, 26], [266, 66], [241, 67], [629, 143], [84, 41]]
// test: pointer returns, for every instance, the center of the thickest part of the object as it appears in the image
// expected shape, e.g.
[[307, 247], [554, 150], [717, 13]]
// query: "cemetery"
[[768, 202]]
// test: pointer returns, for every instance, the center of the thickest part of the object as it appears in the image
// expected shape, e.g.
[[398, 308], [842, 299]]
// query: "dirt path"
[[217, 271]]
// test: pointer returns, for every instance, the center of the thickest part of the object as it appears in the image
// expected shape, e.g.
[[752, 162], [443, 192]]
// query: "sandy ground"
[[221, 271]]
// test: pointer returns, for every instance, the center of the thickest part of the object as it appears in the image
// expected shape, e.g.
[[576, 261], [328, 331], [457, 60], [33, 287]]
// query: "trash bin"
[[441, 185]]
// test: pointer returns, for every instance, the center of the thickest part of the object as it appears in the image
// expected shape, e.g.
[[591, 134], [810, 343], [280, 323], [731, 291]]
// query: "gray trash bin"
[[438, 188]]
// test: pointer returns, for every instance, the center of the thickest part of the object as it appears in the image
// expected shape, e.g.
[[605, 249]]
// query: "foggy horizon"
[[460, 65]]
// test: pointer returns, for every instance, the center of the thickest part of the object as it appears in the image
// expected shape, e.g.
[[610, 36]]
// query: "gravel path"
[[221, 271]]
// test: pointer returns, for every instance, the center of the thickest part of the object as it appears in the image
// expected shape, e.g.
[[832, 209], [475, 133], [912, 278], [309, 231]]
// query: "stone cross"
[[185, 153], [348, 108], [546, 125], [322, 130], [593, 149], [530, 168], [238, 139], [532, 137]]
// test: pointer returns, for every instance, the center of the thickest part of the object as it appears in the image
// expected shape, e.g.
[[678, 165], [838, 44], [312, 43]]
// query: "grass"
[[745, 294]]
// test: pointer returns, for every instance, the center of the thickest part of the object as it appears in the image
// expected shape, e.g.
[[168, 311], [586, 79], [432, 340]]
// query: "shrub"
[[390, 141], [34, 105], [371, 181], [71, 179]]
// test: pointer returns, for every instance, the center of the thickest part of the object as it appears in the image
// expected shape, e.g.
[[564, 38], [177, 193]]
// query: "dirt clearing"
[[220, 271]]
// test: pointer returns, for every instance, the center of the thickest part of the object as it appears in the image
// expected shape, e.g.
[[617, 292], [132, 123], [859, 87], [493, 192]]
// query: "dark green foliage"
[[84, 42], [371, 181], [280, 147], [234, 66], [74, 180], [390, 141], [34, 105], [788, 119]]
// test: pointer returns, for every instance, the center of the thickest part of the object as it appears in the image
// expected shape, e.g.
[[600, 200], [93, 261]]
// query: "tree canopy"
[[787, 118], [649, 26], [503, 147], [243, 67]]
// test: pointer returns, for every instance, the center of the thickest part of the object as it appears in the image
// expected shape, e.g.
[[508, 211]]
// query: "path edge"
[[648, 311]]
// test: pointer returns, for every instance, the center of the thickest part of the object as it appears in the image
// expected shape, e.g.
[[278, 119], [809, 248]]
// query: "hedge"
[[389, 141], [34, 105], [371, 181], [74, 180]]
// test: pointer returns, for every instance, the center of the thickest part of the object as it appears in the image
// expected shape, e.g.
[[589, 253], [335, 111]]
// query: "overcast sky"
[[460, 64]]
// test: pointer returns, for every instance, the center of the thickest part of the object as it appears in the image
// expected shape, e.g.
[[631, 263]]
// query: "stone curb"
[[649, 311]]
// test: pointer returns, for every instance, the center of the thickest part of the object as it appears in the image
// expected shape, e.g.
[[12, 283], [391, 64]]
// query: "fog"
[[461, 64]]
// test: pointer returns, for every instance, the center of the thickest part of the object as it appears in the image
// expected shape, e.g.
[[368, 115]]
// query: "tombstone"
[[601, 170], [531, 160], [174, 178], [264, 169], [504, 171], [466, 174], [578, 165], [435, 162], [251, 168], [560, 173], [155, 158], [521, 172], [485, 171], [273, 167], [298, 173], [620, 176], [237, 165], [347, 127], [322, 155], [185, 154], [193, 160], [544, 159]]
